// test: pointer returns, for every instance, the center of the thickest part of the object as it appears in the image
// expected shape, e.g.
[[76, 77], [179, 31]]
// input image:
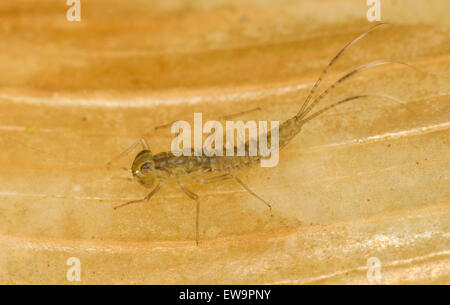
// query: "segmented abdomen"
[[168, 161]]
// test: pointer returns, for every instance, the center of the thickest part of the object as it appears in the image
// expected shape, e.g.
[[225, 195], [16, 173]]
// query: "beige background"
[[368, 179]]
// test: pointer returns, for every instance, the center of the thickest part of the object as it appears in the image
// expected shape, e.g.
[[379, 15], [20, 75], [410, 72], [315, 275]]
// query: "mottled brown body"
[[166, 161], [168, 164]]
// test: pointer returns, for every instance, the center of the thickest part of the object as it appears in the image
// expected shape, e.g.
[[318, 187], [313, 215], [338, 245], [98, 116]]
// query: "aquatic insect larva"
[[152, 171]]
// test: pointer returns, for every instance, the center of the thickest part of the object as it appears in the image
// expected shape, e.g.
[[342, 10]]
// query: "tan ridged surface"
[[368, 179]]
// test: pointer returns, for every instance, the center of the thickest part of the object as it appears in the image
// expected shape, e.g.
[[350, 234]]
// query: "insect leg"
[[147, 198], [251, 192], [232, 116], [193, 196], [164, 125], [141, 141], [230, 176]]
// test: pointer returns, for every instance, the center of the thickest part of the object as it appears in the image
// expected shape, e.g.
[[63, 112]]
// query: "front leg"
[[141, 141], [147, 198]]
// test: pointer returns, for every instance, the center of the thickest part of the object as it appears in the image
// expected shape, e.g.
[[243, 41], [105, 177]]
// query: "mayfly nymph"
[[153, 170]]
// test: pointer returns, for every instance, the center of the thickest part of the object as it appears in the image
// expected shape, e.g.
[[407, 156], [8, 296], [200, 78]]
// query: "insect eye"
[[146, 167]]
